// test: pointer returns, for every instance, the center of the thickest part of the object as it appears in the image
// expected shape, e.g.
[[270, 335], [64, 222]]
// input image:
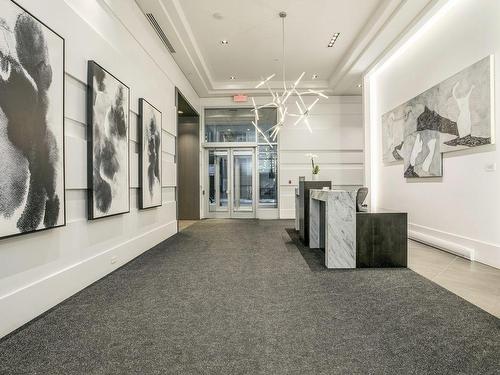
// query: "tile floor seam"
[[445, 268]]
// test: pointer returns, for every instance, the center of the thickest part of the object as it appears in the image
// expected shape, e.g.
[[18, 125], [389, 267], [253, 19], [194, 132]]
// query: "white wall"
[[39, 270], [461, 209], [337, 139]]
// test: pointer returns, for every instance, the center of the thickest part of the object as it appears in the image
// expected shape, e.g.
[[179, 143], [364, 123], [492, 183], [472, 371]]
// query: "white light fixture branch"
[[280, 99]]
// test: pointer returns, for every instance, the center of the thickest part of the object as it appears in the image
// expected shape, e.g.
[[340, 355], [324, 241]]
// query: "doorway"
[[231, 182], [188, 161]]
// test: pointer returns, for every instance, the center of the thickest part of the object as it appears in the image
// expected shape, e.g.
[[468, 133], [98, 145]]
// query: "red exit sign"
[[240, 98]]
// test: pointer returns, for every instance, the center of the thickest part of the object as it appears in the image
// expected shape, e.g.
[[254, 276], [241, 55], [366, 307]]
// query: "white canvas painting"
[[108, 115], [460, 112], [31, 123]]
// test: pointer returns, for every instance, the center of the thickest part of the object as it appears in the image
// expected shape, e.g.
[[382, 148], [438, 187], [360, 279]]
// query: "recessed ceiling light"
[[232, 78], [333, 40], [224, 42], [359, 85], [180, 112], [315, 76]]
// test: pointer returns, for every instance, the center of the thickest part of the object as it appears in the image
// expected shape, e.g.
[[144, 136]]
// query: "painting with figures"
[[108, 143], [150, 194], [31, 123], [453, 115]]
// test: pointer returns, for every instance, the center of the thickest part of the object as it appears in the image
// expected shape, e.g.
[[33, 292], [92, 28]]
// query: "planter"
[[315, 177]]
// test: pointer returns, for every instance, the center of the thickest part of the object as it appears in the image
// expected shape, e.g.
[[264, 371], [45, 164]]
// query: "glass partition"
[[218, 180], [243, 180], [268, 176]]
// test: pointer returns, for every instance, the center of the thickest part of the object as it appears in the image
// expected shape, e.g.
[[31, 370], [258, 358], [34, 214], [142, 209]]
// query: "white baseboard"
[[465, 247], [24, 304]]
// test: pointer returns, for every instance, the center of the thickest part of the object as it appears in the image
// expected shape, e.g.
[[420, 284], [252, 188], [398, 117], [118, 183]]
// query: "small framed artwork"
[[32, 189], [108, 104], [150, 128]]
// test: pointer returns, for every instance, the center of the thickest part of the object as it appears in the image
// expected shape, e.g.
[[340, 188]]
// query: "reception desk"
[[303, 205], [356, 239]]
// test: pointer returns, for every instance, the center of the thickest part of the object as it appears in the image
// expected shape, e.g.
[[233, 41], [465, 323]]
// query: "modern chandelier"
[[280, 99]]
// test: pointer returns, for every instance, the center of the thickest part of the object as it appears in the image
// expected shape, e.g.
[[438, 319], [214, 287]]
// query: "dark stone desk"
[[381, 239], [303, 199]]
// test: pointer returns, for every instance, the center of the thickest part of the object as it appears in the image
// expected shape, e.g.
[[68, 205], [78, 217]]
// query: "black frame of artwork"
[[63, 121], [90, 142], [141, 154]]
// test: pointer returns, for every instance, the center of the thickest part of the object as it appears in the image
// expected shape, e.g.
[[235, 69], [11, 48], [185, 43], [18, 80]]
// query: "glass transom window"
[[235, 124]]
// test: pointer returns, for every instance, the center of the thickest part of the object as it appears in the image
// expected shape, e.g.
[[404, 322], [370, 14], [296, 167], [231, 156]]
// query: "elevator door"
[[231, 181]]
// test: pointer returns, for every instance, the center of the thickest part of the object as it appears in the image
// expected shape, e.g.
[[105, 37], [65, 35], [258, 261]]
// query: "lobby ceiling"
[[196, 29]]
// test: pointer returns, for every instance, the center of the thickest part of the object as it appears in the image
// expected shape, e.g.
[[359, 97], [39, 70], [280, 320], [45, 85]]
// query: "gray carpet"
[[238, 297]]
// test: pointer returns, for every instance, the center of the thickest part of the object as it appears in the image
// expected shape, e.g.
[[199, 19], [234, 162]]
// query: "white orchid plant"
[[315, 167]]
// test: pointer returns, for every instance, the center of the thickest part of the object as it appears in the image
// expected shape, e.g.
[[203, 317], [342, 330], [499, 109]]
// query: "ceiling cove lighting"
[[333, 40], [300, 110]]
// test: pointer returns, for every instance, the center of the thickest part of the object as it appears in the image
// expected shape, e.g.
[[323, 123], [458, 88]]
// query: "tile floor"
[[473, 281]]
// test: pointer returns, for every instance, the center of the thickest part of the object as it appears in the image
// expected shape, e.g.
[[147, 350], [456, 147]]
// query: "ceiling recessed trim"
[[343, 79]]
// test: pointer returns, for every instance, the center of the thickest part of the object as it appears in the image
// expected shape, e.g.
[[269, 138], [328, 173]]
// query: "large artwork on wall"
[[150, 155], [108, 144], [453, 115], [31, 123]]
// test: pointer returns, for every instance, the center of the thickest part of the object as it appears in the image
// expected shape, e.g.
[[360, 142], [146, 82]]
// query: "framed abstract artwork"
[[150, 128], [108, 103], [455, 114], [32, 189]]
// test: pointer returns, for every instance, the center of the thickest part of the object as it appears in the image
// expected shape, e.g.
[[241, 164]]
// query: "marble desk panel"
[[340, 225]]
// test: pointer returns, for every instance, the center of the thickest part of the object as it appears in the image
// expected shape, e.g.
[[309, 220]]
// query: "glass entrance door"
[[231, 182], [218, 174], [243, 185]]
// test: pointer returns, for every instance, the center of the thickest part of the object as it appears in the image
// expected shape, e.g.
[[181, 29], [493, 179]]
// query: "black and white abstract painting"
[[108, 143], [455, 114], [150, 155], [393, 125], [421, 155], [31, 123]]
